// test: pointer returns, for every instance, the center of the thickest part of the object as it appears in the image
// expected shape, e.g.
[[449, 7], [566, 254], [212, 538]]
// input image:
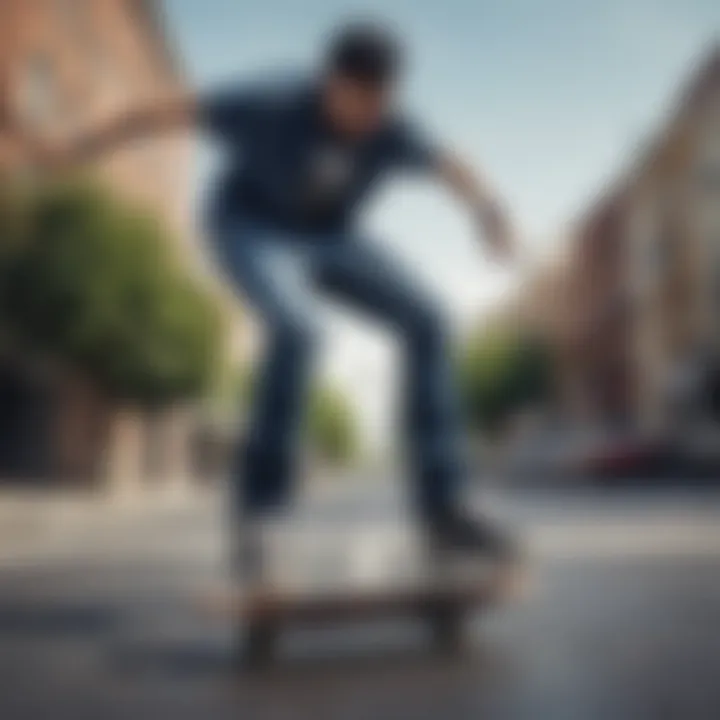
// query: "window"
[[664, 251], [37, 99], [708, 174], [71, 13], [707, 193], [646, 255], [707, 159], [105, 70]]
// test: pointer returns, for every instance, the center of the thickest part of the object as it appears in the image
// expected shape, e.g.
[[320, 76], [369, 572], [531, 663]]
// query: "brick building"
[[66, 65], [645, 269]]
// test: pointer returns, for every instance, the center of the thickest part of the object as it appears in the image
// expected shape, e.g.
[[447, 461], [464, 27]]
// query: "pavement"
[[99, 616]]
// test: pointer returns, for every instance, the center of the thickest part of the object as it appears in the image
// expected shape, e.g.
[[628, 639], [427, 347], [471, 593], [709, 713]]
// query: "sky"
[[547, 98]]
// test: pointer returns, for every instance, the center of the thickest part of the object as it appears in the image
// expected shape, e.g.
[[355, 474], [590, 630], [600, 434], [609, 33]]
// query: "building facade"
[[66, 66], [645, 272]]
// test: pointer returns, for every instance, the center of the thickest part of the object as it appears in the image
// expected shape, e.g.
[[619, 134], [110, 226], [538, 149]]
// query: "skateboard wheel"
[[448, 629], [257, 647]]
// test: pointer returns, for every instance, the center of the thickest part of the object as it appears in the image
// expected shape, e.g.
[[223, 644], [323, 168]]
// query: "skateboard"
[[405, 588]]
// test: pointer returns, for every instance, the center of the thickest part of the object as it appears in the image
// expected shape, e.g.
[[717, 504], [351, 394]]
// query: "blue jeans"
[[282, 278]]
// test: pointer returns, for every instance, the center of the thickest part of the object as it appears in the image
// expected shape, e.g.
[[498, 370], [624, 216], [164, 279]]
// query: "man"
[[302, 158]]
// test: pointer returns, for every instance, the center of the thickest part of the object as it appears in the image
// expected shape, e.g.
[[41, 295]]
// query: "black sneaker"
[[456, 533], [248, 559]]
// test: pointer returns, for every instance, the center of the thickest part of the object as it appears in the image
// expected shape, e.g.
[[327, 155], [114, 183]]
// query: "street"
[[623, 621]]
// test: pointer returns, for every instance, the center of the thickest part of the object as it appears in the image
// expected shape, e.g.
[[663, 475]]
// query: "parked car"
[[629, 456]]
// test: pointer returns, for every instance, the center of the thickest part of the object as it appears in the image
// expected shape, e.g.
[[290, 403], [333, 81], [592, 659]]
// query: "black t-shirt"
[[287, 168]]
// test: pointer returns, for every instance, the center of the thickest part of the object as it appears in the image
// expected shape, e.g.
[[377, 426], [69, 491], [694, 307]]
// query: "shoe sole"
[[513, 581]]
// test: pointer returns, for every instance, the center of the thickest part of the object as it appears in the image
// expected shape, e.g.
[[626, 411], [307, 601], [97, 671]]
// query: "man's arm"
[[482, 201], [411, 148], [174, 113]]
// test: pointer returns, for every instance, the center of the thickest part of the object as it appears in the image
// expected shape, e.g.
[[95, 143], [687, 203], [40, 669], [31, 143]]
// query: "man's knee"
[[426, 327], [295, 336]]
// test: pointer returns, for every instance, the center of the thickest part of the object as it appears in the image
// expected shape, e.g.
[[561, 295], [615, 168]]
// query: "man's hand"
[[493, 220], [496, 229]]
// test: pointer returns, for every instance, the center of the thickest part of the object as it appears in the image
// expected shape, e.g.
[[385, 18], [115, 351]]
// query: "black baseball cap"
[[367, 52]]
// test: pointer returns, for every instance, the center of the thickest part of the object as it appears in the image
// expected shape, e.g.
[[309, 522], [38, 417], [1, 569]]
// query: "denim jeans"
[[282, 278]]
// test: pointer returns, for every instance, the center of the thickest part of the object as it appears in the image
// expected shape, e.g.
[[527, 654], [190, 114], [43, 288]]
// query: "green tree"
[[331, 427], [13, 232], [94, 283], [500, 374]]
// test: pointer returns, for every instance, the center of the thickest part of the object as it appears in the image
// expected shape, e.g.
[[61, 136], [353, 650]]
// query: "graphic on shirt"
[[327, 178], [331, 170]]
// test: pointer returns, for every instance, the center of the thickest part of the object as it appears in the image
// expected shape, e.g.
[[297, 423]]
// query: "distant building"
[[66, 65], [69, 64], [645, 271]]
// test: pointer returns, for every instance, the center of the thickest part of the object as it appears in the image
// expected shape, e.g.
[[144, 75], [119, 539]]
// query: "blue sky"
[[548, 97]]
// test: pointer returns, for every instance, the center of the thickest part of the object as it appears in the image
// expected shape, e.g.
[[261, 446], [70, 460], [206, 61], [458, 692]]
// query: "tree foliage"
[[93, 282], [502, 373], [332, 426]]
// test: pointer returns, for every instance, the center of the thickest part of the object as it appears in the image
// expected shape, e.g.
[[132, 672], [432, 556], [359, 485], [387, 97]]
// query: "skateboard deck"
[[283, 605], [351, 577]]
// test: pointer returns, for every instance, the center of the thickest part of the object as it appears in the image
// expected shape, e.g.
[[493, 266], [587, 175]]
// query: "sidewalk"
[[32, 520]]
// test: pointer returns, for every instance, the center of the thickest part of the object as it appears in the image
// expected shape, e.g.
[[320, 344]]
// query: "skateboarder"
[[303, 154]]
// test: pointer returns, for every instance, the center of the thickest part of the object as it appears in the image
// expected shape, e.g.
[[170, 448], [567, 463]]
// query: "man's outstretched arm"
[[227, 114], [482, 201], [174, 113]]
